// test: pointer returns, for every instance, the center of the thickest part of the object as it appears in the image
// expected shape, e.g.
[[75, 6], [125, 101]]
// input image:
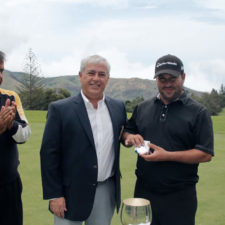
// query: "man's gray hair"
[[94, 59], [2, 57]]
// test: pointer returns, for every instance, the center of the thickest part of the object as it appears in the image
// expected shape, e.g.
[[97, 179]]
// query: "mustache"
[[94, 82], [171, 87]]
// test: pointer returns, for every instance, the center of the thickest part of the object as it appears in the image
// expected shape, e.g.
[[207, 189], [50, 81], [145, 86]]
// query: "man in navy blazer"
[[80, 151]]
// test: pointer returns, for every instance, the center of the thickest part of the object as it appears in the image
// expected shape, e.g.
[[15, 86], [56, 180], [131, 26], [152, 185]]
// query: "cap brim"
[[171, 72]]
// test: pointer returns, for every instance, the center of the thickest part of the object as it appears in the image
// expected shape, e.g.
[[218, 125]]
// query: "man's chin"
[[168, 98], [95, 91], [96, 94]]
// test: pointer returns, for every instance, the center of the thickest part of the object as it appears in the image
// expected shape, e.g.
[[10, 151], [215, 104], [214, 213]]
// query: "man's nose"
[[96, 76], [168, 81]]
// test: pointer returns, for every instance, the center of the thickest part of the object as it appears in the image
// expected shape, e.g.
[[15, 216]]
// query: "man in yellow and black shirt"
[[14, 129]]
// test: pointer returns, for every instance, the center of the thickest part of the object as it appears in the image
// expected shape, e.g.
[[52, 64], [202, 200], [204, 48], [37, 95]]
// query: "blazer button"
[[95, 166]]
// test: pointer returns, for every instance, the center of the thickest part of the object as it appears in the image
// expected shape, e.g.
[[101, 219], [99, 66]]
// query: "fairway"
[[211, 191]]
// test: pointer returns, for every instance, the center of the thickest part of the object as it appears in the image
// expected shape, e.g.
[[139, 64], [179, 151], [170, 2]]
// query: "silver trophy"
[[135, 211]]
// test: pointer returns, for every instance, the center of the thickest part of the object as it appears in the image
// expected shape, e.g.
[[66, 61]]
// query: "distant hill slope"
[[119, 88], [9, 81]]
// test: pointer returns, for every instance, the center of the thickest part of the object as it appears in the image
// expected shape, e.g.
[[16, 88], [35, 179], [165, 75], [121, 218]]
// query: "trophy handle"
[[121, 212]]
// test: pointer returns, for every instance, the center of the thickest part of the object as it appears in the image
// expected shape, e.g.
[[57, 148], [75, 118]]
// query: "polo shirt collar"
[[182, 98]]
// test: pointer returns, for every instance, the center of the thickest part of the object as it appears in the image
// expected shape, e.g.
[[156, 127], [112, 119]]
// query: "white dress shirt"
[[102, 130]]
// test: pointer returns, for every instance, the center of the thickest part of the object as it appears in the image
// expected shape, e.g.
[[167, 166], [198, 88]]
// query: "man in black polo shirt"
[[181, 136]]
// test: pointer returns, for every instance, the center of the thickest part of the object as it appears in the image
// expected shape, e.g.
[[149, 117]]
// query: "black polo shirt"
[[181, 125]]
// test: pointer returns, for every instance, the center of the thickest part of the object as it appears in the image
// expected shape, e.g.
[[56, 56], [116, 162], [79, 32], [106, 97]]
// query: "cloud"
[[212, 4], [132, 46], [10, 38], [62, 34], [203, 74], [102, 3], [122, 67], [215, 10], [115, 4], [14, 3]]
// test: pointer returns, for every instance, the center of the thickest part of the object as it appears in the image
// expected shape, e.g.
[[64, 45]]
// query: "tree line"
[[35, 96], [213, 101]]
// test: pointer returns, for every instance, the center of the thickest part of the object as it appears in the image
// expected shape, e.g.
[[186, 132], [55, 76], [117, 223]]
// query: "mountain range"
[[119, 88]]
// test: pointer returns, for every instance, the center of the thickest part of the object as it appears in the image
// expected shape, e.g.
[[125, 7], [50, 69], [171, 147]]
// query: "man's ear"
[[183, 76], [80, 75]]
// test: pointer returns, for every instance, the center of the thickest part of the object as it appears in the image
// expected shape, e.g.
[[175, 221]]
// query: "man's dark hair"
[[2, 57]]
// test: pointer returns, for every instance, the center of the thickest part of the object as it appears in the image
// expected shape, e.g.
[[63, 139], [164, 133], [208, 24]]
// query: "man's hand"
[[159, 154], [3, 121], [133, 139], [13, 114], [58, 206], [7, 115], [190, 156]]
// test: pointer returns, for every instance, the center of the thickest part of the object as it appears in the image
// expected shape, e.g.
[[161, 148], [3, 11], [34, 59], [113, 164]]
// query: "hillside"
[[119, 88]]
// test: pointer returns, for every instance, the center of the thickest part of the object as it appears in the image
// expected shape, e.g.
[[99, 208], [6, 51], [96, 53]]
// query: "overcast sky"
[[131, 34]]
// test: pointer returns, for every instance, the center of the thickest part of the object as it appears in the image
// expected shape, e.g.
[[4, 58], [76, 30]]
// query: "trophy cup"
[[135, 211]]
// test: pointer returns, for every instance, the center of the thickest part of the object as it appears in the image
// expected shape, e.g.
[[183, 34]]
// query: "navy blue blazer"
[[68, 156]]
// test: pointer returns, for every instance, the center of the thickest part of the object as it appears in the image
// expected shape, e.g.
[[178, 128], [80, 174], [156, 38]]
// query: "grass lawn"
[[211, 191]]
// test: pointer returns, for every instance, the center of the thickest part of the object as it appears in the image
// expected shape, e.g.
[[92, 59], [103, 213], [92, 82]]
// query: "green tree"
[[31, 89], [222, 96], [130, 105], [211, 101], [50, 95]]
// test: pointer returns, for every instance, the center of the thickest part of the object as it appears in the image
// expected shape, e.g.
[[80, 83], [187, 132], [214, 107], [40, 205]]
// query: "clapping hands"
[[7, 115]]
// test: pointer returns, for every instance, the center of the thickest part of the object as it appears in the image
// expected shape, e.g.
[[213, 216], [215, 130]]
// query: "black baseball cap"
[[169, 64]]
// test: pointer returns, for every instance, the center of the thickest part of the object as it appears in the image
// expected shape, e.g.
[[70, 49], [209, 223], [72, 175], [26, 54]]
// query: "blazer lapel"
[[83, 117], [113, 114]]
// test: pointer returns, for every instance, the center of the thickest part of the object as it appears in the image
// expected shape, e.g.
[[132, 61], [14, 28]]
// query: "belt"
[[106, 180]]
